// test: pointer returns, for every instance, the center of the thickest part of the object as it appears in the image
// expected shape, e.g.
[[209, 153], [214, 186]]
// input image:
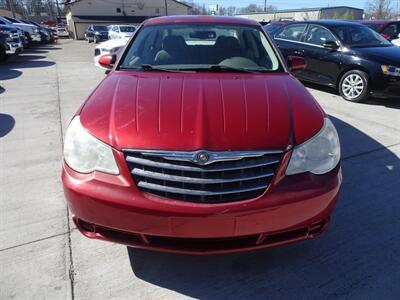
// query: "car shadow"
[[390, 103], [7, 73], [2, 90], [35, 51], [46, 48], [321, 88], [12, 67], [32, 57], [358, 257], [7, 124]]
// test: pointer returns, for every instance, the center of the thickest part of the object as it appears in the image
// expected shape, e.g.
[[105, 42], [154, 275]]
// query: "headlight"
[[318, 155], [391, 70], [97, 33], [84, 153], [35, 30]]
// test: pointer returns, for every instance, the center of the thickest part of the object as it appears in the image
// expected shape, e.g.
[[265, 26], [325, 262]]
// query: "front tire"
[[28, 39], [354, 86], [3, 55]]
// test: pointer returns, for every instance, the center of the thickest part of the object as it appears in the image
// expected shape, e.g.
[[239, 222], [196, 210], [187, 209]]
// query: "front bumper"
[[386, 87], [36, 37], [101, 37], [14, 48], [111, 208]]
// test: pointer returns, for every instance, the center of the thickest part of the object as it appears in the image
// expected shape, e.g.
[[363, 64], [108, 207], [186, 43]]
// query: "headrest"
[[173, 42]]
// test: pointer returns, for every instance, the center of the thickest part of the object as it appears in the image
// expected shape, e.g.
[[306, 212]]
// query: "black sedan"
[[347, 56]]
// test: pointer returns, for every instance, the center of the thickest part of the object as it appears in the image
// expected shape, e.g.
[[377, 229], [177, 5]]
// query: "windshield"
[[12, 20], [199, 47], [360, 36], [127, 28], [100, 28], [375, 27], [271, 28]]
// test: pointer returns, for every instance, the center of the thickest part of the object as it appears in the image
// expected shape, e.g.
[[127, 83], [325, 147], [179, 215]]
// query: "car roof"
[[378, 21], [328, 23], [280, 22], [200, 19]]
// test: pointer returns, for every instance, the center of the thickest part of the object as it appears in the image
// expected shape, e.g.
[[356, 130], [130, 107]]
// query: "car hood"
[[384, 55], [182, 111], [110, 44]]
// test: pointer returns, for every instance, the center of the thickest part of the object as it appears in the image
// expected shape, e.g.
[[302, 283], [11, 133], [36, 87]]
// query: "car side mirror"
[[296, 63], [331, 45], [107, 61]]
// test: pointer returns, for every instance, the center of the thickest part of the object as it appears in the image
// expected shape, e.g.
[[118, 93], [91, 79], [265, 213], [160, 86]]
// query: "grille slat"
[[214, 182], [168, 177], [161, 188], [211, 168]]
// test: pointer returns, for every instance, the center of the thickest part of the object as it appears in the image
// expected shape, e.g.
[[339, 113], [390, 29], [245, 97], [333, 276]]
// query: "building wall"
[[339, 13], [276, 16], [130, 7]]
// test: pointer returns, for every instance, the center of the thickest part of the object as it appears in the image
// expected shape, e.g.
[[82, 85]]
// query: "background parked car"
[[121, 31], [344, 55], [46, 33], [397, 41], [96, 33], [31, 32], [273, 27], [108, 47], [14, 35], [9, 43], [62, 32], [14, 44], [388, 29]]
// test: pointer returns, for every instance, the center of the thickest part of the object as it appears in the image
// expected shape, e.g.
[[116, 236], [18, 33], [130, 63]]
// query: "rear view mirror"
[[107, 61], [203, 35], [330, 45], [296, 63]]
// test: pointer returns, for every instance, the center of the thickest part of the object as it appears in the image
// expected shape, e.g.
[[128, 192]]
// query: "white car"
[[397, 41], [121, 31], [108, 47], [62, 32], [31, 32]]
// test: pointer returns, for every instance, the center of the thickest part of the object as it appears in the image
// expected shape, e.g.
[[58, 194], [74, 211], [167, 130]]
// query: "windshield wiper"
[[223, 68], [147, 67]]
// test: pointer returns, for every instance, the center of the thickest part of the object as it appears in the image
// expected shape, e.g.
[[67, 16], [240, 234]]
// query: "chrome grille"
[[224, 177]]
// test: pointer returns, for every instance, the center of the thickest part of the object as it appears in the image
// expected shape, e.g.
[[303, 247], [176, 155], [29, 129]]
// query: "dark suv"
[[96, 33], [348, 56]]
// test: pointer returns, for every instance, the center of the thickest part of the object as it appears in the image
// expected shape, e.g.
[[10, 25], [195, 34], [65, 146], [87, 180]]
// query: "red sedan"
[[201, 141]]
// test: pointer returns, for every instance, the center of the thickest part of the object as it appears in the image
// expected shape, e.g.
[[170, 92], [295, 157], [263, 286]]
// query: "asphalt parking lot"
[[43, 256]]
